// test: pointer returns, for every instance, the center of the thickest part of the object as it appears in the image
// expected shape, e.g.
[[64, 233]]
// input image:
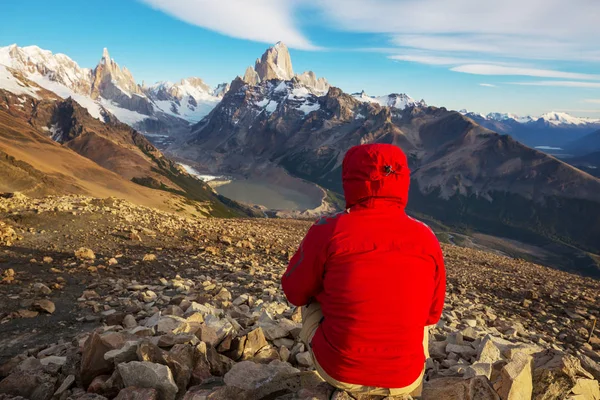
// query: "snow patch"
[[282, 87], [62, 91], [13, 85], [271, 106], [126, 116], [308, 108]]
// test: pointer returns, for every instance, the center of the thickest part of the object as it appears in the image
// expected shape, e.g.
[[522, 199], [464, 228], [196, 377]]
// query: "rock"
[[97, 385], [201, 370], [515, 378], [93, 362], [135, 393], [248, 375], [236, 349], [284, 353], [64, 386], [31, 384], [476, 388], [226, 240], [85, 254], [44, 305], [304, 359], [222, 327], [42, 289], [172, 324], [488, 352], [587, 389], [219, 364], [208, 335], [144, 374], [555, 374], [254, 342], [124, 354], [28, 313], [479, 369], [465, 351], [179, 361], [590, 366], [129, 322], [148, 296], [54, 360], [149, 258], [305, 383]]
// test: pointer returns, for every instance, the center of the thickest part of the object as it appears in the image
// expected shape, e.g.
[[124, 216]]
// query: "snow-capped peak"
[[561, 118], [395, 100]]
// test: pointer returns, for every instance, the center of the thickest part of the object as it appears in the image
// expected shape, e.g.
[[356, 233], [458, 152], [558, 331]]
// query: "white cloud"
[[266, 21], [594, 85], [593, 101], [429, 59], [495, 45], [527, 30], [490, 69], [487, 85]]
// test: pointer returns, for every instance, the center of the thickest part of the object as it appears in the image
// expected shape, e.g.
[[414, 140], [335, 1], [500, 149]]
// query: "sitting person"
[[370, 280]]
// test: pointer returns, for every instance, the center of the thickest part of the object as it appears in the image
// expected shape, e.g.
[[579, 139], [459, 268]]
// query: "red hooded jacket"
[[378, 274]]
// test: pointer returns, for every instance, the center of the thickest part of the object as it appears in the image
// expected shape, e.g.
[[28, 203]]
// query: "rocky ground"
[[102, 299]]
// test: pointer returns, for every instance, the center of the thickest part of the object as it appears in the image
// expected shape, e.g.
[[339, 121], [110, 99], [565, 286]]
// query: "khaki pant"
[[311, 317]]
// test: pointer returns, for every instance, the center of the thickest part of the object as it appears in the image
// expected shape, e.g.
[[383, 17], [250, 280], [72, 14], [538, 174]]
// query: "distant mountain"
[[587, 144], [552, 129], [164, 107], [464, 175], [395, 100], [50, 145]]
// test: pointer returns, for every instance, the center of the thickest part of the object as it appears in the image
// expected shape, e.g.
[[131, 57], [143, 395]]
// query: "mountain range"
[[469, 172], [553, 129], [50, 145]]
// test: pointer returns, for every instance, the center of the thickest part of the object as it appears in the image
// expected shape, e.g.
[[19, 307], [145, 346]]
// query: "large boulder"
[[144, 374], [515, 378], [555, 374], [93, 362], [248, 375], [32, 384]]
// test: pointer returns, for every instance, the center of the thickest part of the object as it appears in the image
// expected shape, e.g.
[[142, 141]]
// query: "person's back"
[[377, 274]]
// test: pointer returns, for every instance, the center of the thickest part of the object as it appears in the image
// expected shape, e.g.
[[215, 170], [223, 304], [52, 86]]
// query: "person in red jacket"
[[370, 280]]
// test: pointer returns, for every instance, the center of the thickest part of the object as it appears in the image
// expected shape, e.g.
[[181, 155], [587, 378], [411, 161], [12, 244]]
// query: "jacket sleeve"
[[303, 278], [439, 292]]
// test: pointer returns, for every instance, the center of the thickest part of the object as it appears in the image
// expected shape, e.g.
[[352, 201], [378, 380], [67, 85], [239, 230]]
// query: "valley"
[[275, 140]]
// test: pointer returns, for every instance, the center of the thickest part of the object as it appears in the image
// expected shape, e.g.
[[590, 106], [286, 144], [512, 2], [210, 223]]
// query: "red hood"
[[375, 171]]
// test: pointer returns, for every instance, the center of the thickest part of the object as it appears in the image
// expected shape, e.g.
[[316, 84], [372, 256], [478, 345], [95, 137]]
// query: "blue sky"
[[523, 57]]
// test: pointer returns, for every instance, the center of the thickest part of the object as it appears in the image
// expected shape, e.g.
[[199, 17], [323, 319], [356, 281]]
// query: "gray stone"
[[248, 375], [479, 369], [125, 354], [135, 393], [144, 374]]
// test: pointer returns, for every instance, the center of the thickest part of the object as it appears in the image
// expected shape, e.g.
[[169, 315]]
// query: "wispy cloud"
[[502, 70], [266, 21], [487, 85], [574, 84], [592, 101], [429, 59], [457, 32]]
